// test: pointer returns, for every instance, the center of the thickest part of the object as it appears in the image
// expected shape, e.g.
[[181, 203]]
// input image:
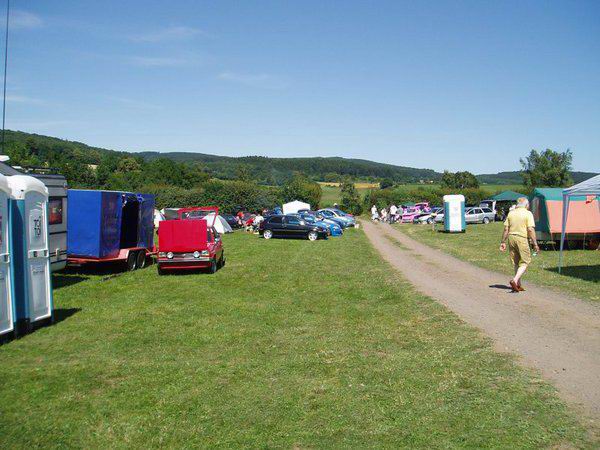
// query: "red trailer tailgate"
[[182, 235]]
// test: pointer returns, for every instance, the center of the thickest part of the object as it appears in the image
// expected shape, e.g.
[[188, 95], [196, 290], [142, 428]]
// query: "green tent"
[[508, 196]]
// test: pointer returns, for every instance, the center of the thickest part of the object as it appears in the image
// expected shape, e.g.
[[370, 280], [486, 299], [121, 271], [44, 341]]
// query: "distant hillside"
[[90, 166], [515, 177], [318, 168]]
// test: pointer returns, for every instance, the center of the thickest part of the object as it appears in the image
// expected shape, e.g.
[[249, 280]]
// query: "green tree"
[[299, 187], [350, 198], [547, 168], [459, 180], [129, 165], [386, 183]]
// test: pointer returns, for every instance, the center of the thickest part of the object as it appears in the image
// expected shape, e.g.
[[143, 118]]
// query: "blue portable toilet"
[[29, 221], [454, 214], [7, 297]]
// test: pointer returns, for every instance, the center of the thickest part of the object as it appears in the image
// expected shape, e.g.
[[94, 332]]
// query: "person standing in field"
[[393, 212], [519, 227], [374, 213]]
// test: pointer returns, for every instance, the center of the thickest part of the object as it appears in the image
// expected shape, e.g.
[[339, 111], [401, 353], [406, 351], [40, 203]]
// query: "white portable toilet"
[[454, 214], [7, 297], [29, 219]]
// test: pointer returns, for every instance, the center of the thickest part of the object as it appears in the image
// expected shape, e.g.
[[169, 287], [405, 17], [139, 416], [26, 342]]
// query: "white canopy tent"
[[590, 187], [294, 207], [220, 225]]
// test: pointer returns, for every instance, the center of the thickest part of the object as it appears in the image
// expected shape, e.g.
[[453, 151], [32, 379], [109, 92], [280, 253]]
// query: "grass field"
[[293, 344], [479, 245]]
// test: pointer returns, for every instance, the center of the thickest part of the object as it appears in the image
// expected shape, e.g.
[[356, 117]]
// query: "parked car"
[[430, 216], [231, 220], [333, 228], [187, 244], [479, 215], [290, 226], [339, 213], [344, 221]]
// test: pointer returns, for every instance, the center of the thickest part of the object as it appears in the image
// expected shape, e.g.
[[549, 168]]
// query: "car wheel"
[[213, 266], [132, 261], [160, 270], [429, 221], [268, 234], [141, 259], [313, 236], [486, 220]]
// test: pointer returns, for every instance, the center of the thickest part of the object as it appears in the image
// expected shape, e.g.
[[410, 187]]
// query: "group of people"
[[389, 214], [251, 222]]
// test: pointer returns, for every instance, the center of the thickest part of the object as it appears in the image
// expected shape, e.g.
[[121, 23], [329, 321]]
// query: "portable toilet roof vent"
[[21, 184]]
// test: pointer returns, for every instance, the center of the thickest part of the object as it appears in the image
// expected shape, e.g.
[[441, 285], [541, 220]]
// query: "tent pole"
[[566, 199]]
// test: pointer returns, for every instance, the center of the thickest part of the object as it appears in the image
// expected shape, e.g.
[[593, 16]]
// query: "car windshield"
[[327, 213], [309, 219]]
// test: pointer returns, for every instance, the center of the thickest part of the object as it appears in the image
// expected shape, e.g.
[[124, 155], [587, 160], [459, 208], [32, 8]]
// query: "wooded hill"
[[89, 166]]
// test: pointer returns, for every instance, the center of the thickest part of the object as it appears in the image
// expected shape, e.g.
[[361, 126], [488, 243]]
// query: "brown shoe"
[[514, 286], [521, 288]]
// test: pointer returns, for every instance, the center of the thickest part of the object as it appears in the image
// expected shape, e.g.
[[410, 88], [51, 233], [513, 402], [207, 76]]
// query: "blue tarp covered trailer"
[[109, 225]]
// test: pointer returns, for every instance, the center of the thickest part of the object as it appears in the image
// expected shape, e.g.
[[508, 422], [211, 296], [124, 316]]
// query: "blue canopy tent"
[[588, 188]]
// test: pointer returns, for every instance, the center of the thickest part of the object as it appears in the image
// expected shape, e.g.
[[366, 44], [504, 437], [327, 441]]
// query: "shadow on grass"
[[61, 314], [23, 330], [61, 280], [587, 273]]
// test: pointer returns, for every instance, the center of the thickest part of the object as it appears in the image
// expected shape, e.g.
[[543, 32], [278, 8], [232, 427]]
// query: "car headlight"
[[205, 253], [196, 254], [161, 254], [170, 255]]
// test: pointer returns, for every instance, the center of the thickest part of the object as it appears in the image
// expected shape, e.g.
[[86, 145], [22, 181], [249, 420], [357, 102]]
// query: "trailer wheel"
[[132, 261], [141, 259]]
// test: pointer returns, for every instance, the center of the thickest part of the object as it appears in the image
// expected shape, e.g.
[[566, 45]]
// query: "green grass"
[[479, 245], [333, 194], [292, 344]]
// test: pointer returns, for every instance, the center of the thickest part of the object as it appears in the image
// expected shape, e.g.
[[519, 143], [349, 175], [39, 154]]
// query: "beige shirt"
[[518, 220]]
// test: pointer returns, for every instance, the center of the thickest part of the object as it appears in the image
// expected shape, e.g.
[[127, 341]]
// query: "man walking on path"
[[518, 227]]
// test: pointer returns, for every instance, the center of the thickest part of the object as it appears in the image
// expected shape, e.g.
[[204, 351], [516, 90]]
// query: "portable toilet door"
[[7, 299], [454, 214], [32, 260]]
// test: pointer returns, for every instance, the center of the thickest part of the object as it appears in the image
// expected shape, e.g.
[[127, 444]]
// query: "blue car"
[[332, 227], [344, 221]]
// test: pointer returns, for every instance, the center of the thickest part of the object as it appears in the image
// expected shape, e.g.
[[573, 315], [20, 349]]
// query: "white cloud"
[[23, 99], [24, 20], [175, 33], [261, 80], [159, 61]]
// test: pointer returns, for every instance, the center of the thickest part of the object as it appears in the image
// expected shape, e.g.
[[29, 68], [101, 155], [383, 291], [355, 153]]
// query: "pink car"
[[413, 211]]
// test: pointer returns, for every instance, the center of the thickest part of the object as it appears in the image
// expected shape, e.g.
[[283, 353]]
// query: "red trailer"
[[190, 242]]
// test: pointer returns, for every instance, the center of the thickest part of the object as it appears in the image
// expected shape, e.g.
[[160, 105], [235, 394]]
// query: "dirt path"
[[558, 335]]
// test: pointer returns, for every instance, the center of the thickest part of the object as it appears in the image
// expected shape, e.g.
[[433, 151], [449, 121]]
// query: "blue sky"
[[443, 85]]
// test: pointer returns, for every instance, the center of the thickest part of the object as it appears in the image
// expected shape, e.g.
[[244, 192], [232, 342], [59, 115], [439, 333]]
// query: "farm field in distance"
[[292, 344], [479, 245]]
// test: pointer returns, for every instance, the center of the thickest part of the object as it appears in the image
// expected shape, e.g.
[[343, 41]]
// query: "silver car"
[[479, 215]]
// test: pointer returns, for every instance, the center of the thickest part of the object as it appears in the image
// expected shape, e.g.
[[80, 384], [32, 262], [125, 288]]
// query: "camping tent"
[[589, 190], [547, 208], [220, 224], [507, 196], [294, 207]]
